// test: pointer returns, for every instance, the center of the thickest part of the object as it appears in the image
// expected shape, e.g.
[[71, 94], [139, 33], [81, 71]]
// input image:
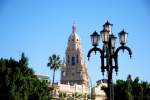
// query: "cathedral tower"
[[75, 69]]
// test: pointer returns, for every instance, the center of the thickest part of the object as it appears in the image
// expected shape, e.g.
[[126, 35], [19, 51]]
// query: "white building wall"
[[73, 88]]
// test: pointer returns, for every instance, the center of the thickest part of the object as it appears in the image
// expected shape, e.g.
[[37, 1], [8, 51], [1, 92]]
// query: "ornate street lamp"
[[105, 35], [95, 38], [108, 26], [123, 37], [109, 53], [113, 41]]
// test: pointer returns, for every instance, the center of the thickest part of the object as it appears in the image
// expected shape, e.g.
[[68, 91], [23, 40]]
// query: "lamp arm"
[[116, 55], [116, 64], [102, 56], [123, 48]]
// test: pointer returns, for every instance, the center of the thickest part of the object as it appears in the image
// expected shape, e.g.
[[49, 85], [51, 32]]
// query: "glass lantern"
[[123, 37], [108, 26], [105, 35], [113, 41], [95, 38]]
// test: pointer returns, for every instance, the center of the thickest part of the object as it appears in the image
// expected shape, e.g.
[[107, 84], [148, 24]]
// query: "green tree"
[[132, 89], [16, 82], [54, 63]]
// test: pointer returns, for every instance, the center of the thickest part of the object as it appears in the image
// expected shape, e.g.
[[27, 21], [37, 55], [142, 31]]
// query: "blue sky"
[[42, 27]]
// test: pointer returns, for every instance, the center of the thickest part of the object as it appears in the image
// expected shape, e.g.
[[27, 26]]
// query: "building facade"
[[75, 70], [97, 91]]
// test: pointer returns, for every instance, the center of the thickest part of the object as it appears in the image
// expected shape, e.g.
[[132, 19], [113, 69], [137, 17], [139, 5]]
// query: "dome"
[[74, 36]]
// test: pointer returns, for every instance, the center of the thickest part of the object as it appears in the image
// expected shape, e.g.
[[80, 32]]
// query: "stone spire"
[[75, 71], [74, 39], [74, 28]]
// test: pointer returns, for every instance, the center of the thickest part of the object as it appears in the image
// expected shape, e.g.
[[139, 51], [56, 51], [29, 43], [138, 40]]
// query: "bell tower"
[[74, 70]]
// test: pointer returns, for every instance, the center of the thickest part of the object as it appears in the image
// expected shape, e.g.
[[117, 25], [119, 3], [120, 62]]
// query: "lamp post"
[[90, 90], [109, 53]]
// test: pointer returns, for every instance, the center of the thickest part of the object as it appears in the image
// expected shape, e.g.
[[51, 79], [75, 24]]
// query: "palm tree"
[[54, 63]]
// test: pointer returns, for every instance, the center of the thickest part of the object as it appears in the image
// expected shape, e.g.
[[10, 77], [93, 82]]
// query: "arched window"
[[68, 59], [73, 61]]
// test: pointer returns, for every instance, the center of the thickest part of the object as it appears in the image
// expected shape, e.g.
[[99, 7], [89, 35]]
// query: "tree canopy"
[[54, 63], [16, 82], [131, 89]]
